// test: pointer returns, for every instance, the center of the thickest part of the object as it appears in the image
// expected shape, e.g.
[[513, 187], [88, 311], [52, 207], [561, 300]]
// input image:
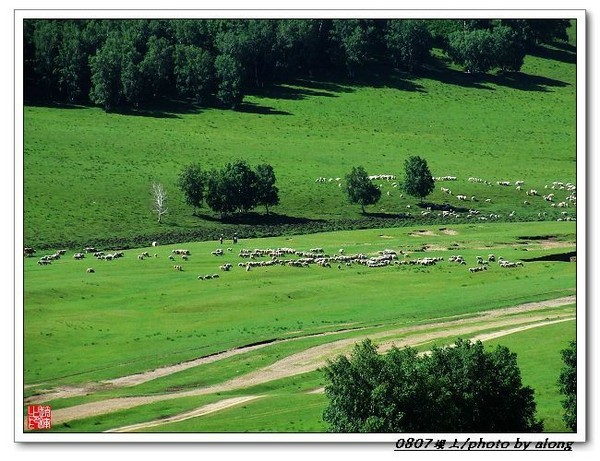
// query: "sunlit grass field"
[[87, 181], [88, 174]]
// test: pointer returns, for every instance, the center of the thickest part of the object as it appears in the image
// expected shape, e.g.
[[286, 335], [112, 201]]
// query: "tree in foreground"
[[463, 388], [360, 189], [418, 181], [191, 182], [159, 196], [567, 383]]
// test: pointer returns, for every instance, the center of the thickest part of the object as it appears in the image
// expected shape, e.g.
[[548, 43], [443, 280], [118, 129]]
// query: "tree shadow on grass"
[[442, 73], [557, 51], [53, 104], [164, 108], [252, 108], [442, 207], [382, 215], [294, 90], [254, 218]]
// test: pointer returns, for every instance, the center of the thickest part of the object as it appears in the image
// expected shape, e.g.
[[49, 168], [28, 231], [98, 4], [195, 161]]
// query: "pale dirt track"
[[227, 403], [201, 411], [316, 357]]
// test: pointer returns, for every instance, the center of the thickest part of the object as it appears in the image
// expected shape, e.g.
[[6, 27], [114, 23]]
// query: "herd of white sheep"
[[290, 257], [569, 201]]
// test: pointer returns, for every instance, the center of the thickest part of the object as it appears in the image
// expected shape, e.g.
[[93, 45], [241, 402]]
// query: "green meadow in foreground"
[[132, 315], [296, 410], [88, 174]]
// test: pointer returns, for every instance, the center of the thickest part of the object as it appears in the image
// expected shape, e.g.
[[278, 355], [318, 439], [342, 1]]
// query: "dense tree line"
[[131, 62], [234, 188], [463, 388]]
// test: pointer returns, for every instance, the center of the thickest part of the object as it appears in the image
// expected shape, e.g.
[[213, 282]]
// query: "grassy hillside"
[[88, 174]]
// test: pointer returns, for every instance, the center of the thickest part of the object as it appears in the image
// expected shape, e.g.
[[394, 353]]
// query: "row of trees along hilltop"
[[235, 188], [137, 62], [238, 188]]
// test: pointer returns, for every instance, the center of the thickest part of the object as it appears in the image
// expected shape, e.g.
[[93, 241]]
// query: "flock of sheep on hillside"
[[317, 256], [259, 258], [569, 201]]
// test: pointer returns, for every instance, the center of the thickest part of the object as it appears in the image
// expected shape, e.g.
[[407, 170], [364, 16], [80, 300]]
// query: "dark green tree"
[[480, 50], [473, 50], [267, 193], [418, 181], [509, 49], [46, 48], [232, 189], [71, 62], [156, 67], [454, 389], [533, 32], [218, 193], [567, 383], [242, 183], [192, 181], [360, 189], [194, 72], [409, 42], [132, 79], [105, 66], [229, 77], [352, 42], [299, 45]]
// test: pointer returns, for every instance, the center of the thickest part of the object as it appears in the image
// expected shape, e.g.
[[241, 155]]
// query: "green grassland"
[[87, 181], [88, 174], [135, 315], [287, 405], [153, 315], [537, 349]]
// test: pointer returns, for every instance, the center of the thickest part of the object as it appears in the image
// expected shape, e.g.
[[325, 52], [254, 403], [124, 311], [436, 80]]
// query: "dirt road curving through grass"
[[317, 356]]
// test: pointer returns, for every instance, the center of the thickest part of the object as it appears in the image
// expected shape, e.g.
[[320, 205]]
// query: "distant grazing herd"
[[569, 201], [260, 258], [316, 256]]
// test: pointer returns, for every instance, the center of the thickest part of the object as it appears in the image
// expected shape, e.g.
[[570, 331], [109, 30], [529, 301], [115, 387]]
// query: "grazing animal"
[[90, 270]]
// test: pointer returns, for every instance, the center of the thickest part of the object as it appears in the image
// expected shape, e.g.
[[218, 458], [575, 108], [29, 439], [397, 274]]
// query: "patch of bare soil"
[[434, 248], [547, 244], [316, 357], [422, 233], [448, 231]]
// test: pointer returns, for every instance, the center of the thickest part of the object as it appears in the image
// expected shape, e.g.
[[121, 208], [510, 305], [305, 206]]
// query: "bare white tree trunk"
[[160, 197]]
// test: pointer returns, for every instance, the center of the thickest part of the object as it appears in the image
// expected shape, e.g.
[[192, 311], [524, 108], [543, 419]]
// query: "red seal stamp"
[[39, 417]]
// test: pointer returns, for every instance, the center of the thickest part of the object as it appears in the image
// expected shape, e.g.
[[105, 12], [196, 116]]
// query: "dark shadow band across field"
[[443, 73], [330, 84]]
